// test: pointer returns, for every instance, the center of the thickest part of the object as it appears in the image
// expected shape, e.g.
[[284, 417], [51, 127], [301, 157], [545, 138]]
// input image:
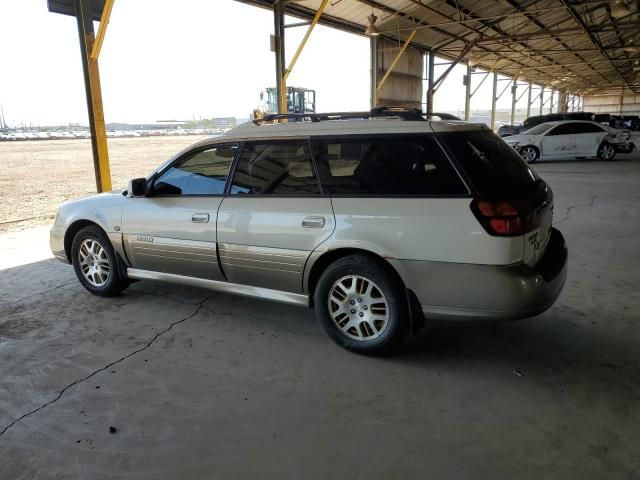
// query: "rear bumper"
[[484, 292], [56, 242]]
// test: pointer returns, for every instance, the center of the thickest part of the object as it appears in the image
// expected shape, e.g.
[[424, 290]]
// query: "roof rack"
[[409, 114]]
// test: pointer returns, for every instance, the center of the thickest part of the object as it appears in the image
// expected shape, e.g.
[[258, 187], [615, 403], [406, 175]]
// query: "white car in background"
[[567, 139]]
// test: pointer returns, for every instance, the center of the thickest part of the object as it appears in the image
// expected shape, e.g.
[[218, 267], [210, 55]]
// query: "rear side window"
[[399, 165], [565, 129], [589, 128], [493, 167], [275, 168]]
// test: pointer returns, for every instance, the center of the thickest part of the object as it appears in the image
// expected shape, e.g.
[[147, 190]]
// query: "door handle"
[[313, 222], [200, 218]]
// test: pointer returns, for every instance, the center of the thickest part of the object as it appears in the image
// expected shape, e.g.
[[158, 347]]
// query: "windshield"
[[538, 129], [492, 166]]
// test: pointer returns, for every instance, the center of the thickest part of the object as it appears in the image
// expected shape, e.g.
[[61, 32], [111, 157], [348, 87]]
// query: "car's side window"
[[201, 173], [590, 128], [563, 129], [281, 167], [399, 165]]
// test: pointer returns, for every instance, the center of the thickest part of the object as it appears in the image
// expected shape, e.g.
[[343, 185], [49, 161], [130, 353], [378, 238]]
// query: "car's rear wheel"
[[360, 305], [606, 152], [96, 263], [530, 154]]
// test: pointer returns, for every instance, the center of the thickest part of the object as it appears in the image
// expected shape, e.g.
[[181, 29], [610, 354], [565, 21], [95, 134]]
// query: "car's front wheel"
[[361, 307], [606, 152], [96, 264], [530, 154]]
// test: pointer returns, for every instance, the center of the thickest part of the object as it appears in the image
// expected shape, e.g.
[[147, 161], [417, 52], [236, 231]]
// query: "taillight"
[[502, 218]]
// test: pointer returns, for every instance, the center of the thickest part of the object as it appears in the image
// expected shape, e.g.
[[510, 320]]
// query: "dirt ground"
[[36, 176]]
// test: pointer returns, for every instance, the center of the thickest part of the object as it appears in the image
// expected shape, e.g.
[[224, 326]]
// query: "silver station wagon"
[[378, 220]]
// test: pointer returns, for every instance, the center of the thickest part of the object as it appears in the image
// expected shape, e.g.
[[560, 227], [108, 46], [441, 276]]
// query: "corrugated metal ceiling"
[[577, 46]]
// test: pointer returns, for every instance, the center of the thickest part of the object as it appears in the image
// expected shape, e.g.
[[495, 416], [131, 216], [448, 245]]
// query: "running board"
[[226, 287]]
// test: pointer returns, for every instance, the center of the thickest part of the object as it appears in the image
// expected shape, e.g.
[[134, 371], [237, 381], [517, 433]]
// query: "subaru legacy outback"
[[377, 220]]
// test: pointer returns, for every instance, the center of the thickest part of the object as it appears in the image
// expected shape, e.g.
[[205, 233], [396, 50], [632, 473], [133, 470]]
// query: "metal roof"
[[582, 47]]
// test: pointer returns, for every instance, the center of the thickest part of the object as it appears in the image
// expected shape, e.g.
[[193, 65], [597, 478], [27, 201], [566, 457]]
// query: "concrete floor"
[[202, 385]]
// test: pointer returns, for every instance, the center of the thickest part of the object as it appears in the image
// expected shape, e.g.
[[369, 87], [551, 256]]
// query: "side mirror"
[[137, 187]]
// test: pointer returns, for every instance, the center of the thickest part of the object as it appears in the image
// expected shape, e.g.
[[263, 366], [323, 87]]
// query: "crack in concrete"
[[44, 291], [200, 305], [571, 207]]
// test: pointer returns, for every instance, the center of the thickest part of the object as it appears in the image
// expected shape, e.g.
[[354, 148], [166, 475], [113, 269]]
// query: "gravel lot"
[[37, 176]]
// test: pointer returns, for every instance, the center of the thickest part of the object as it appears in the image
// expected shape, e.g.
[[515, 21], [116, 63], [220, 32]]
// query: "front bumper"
[[449, 291], [56, 242], [626, 147]]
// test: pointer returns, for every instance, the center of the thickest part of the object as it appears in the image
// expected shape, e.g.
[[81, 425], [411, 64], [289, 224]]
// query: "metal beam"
[[395, 60], [444, 75], [541, 99], [430, 83], [467, 93], [493, 100], [102, 29], [278, 50], [296, 55], [514, 99], [94, 96], [594, 40], [373, 83], [529, 100]]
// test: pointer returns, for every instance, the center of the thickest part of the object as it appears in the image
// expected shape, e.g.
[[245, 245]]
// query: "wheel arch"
[[535, 147], [324, 259], [73, 230], [321, 262]]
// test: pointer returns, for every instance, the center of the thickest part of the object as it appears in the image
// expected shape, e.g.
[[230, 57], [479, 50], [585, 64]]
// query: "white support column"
[[493, 100]]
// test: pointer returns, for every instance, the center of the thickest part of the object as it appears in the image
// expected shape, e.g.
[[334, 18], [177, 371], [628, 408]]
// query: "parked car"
[[530, 122], [567, 139], [378, 223]]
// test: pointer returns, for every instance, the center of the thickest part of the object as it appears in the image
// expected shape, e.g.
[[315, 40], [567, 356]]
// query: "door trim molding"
[[225, 287]]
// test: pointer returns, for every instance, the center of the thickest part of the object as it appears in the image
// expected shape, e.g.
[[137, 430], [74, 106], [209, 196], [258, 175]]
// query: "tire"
[[348, 293], [96, 264], [530, 154], [606, 152]]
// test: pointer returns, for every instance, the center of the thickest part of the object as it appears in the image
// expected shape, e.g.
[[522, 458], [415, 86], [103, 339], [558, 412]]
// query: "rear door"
[[560, 141], [589, 136], [173, 229], [273, 217]]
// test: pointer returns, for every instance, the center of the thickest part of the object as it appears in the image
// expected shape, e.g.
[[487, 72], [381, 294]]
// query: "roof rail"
[[410, 114]]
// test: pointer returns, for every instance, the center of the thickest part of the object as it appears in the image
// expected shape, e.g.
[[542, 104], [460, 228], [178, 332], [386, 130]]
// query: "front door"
[[173, 229], [273, 217], [559, 142]]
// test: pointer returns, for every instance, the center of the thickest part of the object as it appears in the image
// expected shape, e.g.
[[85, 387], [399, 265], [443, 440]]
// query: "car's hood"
[[95, 208], [98, 200], [520, 138]]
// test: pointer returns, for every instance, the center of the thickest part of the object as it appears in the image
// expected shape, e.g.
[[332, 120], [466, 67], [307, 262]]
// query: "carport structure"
[[573, 47], [540, 48]]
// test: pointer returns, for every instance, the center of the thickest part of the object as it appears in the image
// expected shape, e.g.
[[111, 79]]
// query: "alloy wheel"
[[529, 154], [358, 307], [94, 262], [607, 152]]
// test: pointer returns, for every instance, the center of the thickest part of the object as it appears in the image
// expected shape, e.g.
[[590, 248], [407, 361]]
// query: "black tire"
[[606, 152], [370, 335], [106, 284], [530, 153]]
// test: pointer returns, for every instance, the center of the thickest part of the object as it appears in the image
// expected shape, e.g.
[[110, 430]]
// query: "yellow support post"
[[395, 61], [94, 95], [102, 29], [288, 70]]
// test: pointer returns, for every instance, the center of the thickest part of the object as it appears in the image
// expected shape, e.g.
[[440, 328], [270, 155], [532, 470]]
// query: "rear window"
[[398, 165], [493, 167]]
